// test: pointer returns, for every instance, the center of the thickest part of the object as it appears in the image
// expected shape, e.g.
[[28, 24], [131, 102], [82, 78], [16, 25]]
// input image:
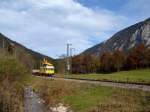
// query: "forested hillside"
[[28, 57], [127, 49]]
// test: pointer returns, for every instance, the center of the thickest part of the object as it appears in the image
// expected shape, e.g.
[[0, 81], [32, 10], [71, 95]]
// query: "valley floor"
[[134, 76], [84, 97], [143, 87]]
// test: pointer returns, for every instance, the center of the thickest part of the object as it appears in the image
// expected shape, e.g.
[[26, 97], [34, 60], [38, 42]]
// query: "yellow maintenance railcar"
[[46, 69]]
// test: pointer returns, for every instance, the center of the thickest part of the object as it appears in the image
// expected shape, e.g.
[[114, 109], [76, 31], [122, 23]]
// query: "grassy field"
[[90, 98], [87, 97], [134, 76]]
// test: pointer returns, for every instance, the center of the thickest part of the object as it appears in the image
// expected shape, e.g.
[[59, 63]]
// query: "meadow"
[[90, 98], [133, 76]]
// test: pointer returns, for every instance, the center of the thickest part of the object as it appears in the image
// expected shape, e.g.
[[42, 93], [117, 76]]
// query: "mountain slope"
[[124, 40], [23, 52]]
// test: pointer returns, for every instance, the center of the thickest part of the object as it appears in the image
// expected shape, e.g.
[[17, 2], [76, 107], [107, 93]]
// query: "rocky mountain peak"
[[125, 39]]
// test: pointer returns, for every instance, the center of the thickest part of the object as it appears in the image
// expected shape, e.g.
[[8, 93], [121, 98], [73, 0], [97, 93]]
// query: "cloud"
[[47, 26]]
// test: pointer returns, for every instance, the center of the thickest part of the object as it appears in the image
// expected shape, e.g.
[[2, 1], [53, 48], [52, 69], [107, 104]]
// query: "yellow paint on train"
[[47, 68]]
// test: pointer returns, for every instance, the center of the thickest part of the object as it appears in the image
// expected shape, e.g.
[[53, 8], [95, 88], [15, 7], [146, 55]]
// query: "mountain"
[[23, 53], [125, 39]]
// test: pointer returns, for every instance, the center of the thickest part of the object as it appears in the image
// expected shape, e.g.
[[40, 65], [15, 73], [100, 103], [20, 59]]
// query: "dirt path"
[[109, 84], [32, 101]]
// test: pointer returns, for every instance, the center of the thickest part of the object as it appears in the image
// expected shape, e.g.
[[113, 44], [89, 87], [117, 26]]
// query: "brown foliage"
[[12, 77], [138, 57], [11, 97], [118, 60], [84, 64]]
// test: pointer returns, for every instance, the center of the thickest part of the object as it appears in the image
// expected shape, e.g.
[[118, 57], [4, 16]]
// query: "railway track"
[[138, 86], [144, 87]]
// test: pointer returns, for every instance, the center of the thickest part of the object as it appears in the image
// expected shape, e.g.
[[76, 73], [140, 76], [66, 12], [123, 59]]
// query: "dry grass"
[[52, 91], [91, 98], [12, 76], [11, 97], [124, 101]]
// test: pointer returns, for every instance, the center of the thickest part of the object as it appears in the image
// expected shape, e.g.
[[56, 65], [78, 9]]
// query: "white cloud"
[[47, 25]]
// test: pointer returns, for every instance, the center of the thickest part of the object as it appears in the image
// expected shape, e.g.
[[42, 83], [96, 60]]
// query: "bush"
[[11, 69], [10, 100], [12, 77]]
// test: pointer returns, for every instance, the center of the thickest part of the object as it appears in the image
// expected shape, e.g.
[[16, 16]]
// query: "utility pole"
[[71, 55], [68, 59]]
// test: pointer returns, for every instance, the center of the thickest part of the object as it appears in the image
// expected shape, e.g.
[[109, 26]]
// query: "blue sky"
[[47, 26], [112, 5]]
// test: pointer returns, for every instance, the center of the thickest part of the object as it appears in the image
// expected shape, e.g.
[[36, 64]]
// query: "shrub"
[[12, 77], [12, 70]]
